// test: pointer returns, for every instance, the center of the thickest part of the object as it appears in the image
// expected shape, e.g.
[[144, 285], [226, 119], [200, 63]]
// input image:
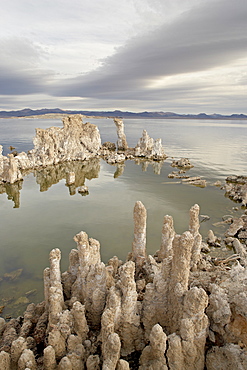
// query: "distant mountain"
[[116, 113], [29, 112]]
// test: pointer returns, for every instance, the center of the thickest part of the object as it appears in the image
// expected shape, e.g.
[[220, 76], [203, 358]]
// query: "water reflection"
[[86, 170], [48, 176], [157, 165], [13, 192]]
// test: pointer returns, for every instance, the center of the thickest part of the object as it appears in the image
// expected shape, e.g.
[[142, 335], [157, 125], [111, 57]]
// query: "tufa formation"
[[178, 309]]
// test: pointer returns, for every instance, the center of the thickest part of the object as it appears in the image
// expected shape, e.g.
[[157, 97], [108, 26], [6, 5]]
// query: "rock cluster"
[[75, 141], [236, 188], [149, 148], [184, 165], [173, 310]]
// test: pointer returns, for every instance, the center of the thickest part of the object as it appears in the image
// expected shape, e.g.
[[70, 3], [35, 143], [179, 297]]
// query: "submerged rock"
[[236, 188], [182, 163]]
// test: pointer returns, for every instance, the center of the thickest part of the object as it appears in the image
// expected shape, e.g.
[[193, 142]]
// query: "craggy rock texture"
[[147, 147], [122, 141], [9, 171], [74, 141], [182, 163], [236, 188], [64, 152], [178, 309]]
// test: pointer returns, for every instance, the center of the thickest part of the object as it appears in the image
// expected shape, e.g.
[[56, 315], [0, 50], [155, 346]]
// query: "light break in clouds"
[[186, 56]]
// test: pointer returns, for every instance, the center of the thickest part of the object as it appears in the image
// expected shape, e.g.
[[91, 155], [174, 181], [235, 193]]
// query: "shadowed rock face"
[[155, 312]]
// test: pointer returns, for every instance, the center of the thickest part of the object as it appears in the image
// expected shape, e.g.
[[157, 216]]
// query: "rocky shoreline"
[[178, 309]]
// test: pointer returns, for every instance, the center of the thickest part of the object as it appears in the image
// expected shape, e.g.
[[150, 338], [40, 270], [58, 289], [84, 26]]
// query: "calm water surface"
[[47, 214]]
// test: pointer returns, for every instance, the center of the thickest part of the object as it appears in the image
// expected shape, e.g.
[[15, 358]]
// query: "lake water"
[[47, 214]]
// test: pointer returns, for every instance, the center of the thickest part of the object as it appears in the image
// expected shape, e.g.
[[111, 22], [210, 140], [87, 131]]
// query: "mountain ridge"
[[27, 112]]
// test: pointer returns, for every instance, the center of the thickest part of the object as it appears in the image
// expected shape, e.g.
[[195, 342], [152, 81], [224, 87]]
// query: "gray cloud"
[[166, 66], [20, 71], [208, 36]]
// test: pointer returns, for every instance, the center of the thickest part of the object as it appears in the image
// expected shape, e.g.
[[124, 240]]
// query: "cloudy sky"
[[185, 56]]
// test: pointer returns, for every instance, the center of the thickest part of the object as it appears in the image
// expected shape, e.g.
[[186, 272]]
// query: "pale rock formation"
[[179, 277], [80, 321], [55, 150], [27, 360], [50, 358], [153, 356], [111, 352], [122, 142], [194, 229], [211, 239], [195, 180], [227, 307], [194, 328], [122, 365], [149, 310], [17, 348], [2, 325], [91, 282], [229, 356], [182, 163], [122, 313], [5, 360], [129, 328], [2, 158], [167, 237], [57, 341], [93, 362], [65, 364], [240, 250], [235, 227], [236, 188], [148, 148], [56, 300], [139, 244], [115, 158], [69, 277], [74, 141], [10, 171]]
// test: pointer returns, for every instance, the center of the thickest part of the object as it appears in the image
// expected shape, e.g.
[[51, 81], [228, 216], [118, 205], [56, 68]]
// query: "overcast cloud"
[[177, 55]]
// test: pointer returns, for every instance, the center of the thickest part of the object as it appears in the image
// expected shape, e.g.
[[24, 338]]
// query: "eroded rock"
[[148, 312]]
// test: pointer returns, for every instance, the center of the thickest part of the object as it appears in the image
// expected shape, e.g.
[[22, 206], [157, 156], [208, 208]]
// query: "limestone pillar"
[[56, 300], [139, 244], [122, 142], [167, 237], [194, 229]]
